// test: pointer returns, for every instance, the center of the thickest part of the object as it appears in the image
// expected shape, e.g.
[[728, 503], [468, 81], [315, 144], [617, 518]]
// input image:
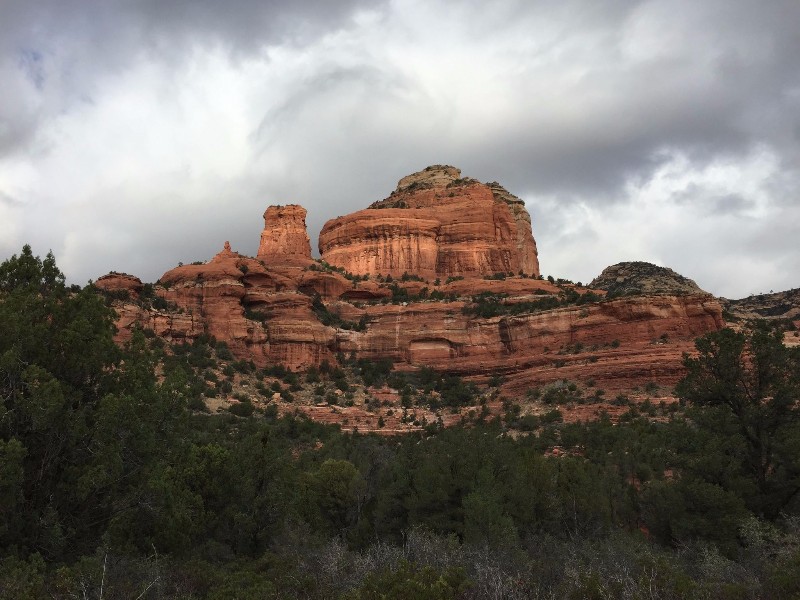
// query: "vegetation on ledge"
[[488, 304]]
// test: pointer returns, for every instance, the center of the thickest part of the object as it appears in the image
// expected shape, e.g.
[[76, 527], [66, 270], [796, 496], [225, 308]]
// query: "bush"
[[412, 582], [242, 409], [196, 403], [554, 416], [223, 352], [528, 423]]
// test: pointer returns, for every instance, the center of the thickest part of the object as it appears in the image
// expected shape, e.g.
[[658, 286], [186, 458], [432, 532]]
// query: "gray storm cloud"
[[134, 135]]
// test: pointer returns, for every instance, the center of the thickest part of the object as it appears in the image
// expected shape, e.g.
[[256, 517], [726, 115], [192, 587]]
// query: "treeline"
[[110, 486]]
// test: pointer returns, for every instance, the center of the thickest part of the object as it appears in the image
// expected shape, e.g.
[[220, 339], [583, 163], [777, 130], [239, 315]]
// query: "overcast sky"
[[136, 134]]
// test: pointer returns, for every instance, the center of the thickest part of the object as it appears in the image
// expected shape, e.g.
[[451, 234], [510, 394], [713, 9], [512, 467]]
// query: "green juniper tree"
[[744, 389]]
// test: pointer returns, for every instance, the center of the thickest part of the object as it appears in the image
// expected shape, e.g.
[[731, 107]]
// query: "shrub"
[[196, 403], [223, 352], [242, 409], [553, 416]]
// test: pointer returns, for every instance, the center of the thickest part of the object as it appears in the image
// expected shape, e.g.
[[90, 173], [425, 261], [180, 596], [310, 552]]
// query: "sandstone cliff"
[[263, 316], [619, 343], [435, 224], [282, 307], [119, 282]]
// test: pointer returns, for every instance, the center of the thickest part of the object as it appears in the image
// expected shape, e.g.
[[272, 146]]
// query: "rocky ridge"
[[284, 308], [782, 307], [114, 281], [777, 305], [637, 278]]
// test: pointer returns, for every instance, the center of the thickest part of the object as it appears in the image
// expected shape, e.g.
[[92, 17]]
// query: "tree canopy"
[[112, 486], [745, 388]]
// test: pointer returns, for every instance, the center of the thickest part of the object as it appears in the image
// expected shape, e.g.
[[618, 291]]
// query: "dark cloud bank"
[[137, 134]]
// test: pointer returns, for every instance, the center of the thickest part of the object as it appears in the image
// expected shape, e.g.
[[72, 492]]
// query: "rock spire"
[[284, 241]]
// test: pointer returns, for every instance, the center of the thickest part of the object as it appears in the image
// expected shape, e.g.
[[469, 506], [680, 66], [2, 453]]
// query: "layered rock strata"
[[435, 224], [119, 282], [260, 313], [284, 240], [614, 341], [284, 308], [269, 317]]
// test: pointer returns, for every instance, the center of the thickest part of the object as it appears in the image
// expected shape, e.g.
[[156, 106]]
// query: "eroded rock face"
[[284, 308], [636, 277], [775, 305], [284, 241], [619, 343], [260, 313], [435, 224], [268, 317], [433, 176], [117, 282]]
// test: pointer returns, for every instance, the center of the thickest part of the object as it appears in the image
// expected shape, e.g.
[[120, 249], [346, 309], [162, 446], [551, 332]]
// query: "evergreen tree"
[[745, 388]]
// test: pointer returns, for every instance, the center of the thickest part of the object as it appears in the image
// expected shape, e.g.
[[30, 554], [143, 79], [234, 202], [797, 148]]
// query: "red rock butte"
[[435, 224], [282, 307]]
